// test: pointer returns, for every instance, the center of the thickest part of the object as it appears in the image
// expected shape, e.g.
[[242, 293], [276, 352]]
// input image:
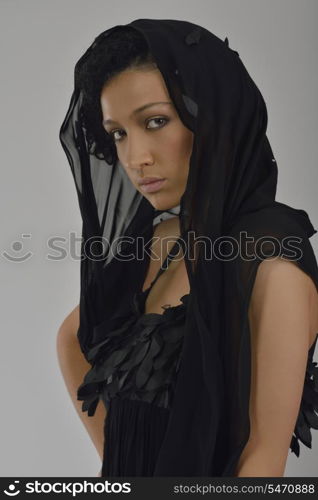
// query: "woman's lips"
[[151, 187]]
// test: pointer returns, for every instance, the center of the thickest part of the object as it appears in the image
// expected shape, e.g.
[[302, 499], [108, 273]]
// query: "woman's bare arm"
[[74, 366], [281, 335]]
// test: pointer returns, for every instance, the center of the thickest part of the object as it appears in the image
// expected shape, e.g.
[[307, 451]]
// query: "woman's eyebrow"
[[138, 110]]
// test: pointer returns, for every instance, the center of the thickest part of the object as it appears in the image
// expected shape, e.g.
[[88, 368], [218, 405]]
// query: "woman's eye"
[[159, 122], [113, 135], [164, 120]]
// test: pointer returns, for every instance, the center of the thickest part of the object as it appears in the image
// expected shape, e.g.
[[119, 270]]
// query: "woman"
[[190, 351]]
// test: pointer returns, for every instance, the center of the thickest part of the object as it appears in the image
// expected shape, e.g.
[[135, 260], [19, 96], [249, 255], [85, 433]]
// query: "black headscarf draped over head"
[[230, 192]]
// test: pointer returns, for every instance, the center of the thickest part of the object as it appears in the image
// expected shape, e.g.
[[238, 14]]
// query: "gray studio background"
[[40, 41]]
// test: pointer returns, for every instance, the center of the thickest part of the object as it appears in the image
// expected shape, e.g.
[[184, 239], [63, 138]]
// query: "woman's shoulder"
[[164, 236], [167, 227], [282, 283]]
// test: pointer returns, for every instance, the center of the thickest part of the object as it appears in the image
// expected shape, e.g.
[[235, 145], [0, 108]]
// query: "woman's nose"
[[138, 154]]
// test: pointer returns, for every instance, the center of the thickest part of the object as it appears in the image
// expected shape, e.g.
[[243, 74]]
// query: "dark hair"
[[124, 48]]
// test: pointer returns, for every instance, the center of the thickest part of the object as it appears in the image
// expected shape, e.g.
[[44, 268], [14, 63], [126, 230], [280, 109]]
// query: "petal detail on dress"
[[308, 411]]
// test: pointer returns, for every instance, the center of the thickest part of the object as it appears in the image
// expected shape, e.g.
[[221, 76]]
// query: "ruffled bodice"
[[134, 373], [138, 359]]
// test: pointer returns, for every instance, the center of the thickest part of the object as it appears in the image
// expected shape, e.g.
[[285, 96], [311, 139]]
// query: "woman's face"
[[150, 139]]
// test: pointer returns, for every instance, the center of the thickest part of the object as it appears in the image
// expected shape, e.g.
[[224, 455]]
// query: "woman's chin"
[[160, 204]]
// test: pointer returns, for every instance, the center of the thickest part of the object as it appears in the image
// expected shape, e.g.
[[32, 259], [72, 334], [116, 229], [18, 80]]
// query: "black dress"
[[134, 374]]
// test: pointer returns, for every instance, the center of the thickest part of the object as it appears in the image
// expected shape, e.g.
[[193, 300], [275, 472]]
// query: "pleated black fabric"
[[134, 432], [230, 194]]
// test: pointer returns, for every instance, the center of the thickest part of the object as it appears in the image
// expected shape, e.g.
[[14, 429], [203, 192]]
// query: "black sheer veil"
[[230, 193]]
